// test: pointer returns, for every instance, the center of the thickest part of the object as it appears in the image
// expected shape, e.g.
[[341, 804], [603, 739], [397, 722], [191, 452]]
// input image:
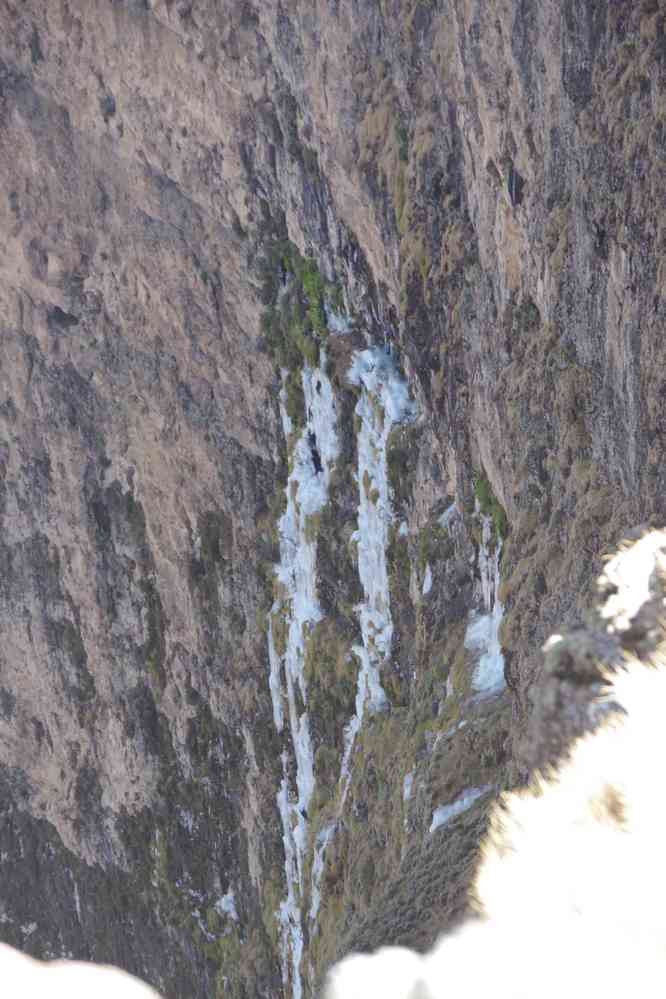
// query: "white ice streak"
[[274, 681], [323, 839], [287, 425], [77, 901], [448, 516], [407, 789], [313, 456], [384, 401], [291, 949], [427, 580], [445, 813], [482, 633]]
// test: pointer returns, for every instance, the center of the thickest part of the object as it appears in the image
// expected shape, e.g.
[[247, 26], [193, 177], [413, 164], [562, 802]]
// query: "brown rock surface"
[[482, 182]]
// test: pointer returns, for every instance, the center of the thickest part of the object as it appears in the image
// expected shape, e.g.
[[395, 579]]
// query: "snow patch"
[[186, 819], [338, 323], [427, 581], [374, 369], [227, 905], [482, 633], [407, 786], [445, 813]]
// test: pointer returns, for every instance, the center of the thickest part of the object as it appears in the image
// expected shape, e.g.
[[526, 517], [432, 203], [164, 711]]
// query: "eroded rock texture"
[[480, 185]]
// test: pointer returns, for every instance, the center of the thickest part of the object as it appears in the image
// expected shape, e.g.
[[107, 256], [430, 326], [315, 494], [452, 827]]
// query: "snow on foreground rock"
[[23, 978], [572, 882]]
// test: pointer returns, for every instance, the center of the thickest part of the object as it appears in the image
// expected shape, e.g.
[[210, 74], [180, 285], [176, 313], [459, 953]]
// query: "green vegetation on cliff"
[[294, 293], [490, 506]]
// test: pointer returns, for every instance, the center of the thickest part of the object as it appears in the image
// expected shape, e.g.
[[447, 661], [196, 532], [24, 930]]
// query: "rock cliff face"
[[331, 366]]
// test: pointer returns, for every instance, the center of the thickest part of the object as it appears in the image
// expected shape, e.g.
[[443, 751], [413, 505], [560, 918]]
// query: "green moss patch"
[[490, 506]]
